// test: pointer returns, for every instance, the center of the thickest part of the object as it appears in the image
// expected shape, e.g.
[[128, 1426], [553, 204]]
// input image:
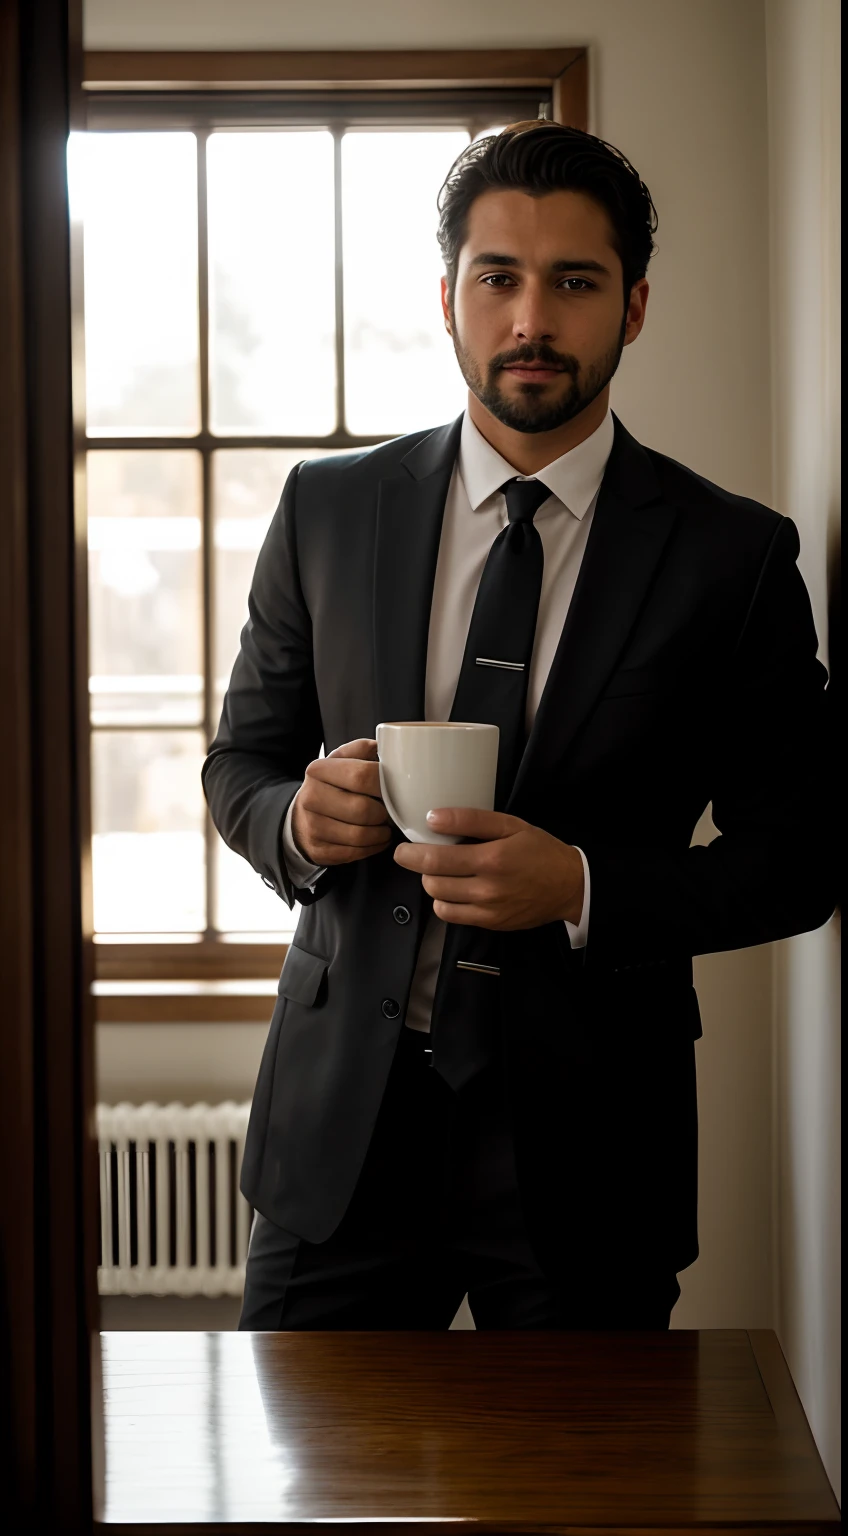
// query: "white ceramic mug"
[[425, 765]]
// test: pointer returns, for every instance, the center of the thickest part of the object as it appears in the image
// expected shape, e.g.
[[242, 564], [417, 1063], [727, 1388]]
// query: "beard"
[[530, 411]]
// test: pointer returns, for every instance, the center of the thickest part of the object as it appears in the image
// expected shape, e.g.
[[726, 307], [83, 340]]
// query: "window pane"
[[148, 842], [138, 194], [243, 903], [145, 587], [271, 282], [247, 485], [400, 370]]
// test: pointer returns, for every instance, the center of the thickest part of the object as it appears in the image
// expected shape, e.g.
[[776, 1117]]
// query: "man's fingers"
[[441, 859], [327, 832], [365, 747], [464, 915], [321, 799], [477, 892], [465, 821], [352, 774], [332, 854]]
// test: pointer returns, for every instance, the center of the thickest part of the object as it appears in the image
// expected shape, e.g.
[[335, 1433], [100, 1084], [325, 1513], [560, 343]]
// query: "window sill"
[[245, 1001]]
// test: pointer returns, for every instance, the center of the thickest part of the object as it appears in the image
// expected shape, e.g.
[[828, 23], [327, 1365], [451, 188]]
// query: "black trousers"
[[436, 1213]]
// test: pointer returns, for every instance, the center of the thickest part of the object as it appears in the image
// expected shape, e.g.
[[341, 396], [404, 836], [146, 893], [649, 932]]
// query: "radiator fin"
[[172, 1219]]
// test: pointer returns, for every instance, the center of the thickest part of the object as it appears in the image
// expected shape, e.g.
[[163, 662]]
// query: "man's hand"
[[514, 876], [338, 815]]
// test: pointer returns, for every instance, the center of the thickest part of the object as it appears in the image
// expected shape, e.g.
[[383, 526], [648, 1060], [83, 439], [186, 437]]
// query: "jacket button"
[[401, 914], [391, 1009]]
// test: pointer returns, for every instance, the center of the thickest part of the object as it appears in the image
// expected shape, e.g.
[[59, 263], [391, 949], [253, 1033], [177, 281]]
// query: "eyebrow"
[[493, 259]]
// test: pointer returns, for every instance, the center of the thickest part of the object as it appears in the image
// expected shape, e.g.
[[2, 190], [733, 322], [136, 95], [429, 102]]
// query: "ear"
[[446, 306], [636, 310]]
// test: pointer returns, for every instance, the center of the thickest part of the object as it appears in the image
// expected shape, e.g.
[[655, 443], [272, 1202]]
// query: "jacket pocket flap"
[[302, 975]]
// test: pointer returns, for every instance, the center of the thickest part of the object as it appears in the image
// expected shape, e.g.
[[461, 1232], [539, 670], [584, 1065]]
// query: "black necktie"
[[492, 688], [492, 683]]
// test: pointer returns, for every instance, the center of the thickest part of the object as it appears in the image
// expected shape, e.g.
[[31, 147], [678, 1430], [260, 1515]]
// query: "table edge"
[[784, 1398]]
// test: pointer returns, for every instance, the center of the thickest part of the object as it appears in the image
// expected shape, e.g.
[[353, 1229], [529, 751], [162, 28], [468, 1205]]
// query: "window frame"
[[215, 977]]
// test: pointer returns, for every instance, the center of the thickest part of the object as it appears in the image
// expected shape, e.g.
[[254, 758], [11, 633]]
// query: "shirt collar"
[[574, 478]]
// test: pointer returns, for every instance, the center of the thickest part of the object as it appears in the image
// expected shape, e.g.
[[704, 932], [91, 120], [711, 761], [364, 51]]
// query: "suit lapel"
[[630, 529], [410, 507]]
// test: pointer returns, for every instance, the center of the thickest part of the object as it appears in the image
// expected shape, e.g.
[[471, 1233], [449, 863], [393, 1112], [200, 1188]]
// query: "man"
[[480, 1072]]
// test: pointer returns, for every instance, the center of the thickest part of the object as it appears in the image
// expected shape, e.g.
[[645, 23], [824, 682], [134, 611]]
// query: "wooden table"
[[513, 1432]]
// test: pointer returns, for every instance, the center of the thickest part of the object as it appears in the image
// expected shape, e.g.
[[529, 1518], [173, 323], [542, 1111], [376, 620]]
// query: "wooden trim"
[[69, 1314], [196, 1003], [571, 93], [326, 70], [19, 1400], [205, 961], [48, 1196]]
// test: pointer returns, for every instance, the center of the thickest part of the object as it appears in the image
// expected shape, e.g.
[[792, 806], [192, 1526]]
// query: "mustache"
[[565, 361]]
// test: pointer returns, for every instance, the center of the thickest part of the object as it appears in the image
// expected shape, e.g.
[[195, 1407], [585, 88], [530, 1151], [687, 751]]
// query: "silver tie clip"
[[483, 970], [508, 666]]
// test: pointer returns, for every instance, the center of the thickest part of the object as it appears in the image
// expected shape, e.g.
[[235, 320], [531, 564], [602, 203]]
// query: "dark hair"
[[539, 157]]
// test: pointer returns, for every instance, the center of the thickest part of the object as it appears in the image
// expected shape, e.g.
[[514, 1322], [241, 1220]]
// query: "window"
[[261, 275]]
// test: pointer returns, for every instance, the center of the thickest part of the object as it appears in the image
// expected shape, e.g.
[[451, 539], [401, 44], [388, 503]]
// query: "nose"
[[534, 321]]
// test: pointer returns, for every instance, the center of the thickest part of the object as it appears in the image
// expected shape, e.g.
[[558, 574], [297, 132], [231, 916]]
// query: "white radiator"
[[172, 1219]]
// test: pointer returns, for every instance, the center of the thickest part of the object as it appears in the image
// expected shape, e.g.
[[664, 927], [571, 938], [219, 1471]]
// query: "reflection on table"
[[512, 1431]]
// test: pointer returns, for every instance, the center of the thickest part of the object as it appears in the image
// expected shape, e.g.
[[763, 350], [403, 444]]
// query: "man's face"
[[538, 317]]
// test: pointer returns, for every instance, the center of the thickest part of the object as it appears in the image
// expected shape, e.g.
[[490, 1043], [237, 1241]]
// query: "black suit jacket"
[[686, 673]]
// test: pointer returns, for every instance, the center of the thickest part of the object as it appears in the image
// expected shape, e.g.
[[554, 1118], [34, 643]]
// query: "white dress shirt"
[[475, 513]]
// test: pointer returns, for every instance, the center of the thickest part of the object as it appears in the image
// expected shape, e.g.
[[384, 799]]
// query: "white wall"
[[177, 1063], [679, 85], [803, 110]]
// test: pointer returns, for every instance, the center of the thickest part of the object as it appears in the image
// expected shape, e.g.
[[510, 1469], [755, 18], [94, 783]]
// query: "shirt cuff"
[[299, 870], [578, 933]]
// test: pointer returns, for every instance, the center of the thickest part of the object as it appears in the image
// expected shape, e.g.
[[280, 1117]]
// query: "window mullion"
[[207, 543], [338, 135], [203, 278]]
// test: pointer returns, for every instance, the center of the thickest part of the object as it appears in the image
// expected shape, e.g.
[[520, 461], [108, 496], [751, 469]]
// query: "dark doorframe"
[[48, 1259]]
